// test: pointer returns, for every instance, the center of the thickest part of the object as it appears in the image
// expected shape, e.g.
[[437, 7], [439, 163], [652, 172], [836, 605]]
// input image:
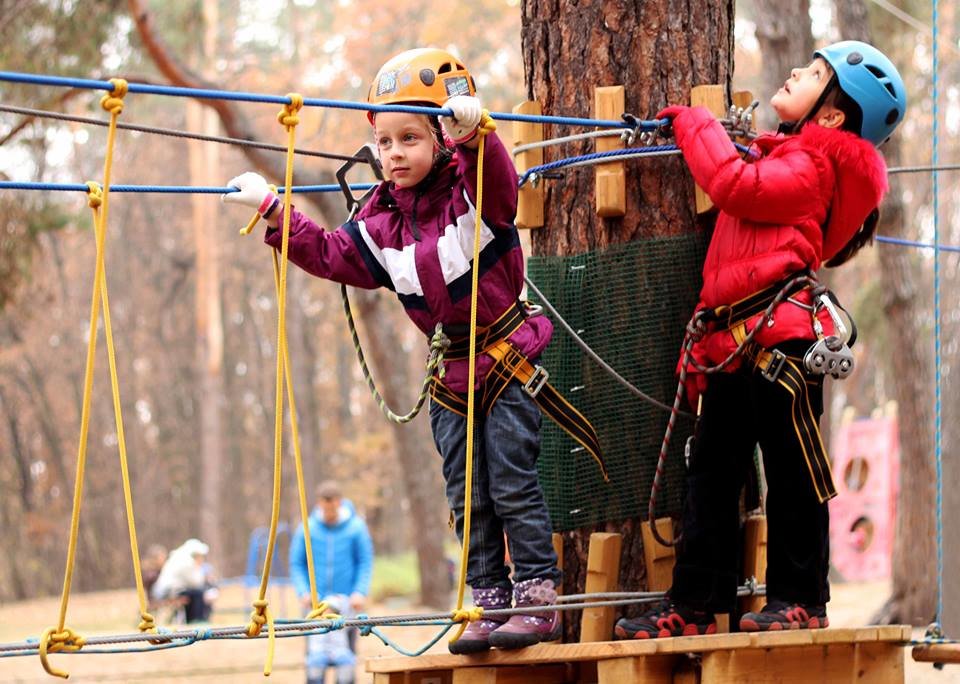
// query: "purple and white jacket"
[[418, 242]]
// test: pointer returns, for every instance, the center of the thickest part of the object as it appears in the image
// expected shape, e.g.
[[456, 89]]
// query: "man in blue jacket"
[[343, 563]]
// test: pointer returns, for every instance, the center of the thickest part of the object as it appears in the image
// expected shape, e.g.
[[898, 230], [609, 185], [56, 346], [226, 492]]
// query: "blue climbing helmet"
[[870, 79]]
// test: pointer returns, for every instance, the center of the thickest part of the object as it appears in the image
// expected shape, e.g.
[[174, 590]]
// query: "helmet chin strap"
[[791, 127]]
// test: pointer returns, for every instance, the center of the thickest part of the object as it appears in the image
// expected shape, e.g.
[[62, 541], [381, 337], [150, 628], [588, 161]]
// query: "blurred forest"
[[193, 303]]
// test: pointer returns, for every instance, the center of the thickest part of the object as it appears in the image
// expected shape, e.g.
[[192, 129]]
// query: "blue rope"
[[921, 245], [938, 420], [203, 93], [195, 189], [653, 150]]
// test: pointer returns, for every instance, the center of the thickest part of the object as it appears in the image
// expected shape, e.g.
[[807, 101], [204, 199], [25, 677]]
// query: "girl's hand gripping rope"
[[253, 192], [462, 126]]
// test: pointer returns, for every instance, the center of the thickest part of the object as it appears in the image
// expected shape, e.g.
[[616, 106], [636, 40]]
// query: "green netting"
[[630, 303]]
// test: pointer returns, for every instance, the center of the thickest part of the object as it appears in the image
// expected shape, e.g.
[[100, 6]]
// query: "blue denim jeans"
[[506, 492]]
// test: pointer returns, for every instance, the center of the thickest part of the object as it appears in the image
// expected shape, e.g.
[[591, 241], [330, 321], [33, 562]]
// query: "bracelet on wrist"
[[273, 207]]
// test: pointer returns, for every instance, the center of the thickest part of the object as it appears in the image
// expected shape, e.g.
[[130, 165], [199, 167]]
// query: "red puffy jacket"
[[791, 209]]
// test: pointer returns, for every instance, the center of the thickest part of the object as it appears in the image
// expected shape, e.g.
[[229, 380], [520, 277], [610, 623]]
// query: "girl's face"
[[406, 145], [801, 91]]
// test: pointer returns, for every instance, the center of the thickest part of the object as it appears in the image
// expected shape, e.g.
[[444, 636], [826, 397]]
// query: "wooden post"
[[658, 558], [557, 540], [611, 189], [530, 199], [603, 575], [755, 558], [742, 99], [711, 97]]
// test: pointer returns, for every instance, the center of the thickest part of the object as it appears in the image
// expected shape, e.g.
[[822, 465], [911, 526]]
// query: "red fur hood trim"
[[861, 181]]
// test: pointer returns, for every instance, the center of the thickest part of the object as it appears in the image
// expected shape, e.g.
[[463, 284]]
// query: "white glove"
[[253, 192], [466, 117]]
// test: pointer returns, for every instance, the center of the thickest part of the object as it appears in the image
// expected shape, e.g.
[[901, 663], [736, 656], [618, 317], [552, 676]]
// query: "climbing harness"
[[510, 364], [774, 366]]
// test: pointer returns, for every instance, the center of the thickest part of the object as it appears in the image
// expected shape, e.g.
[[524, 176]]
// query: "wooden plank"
[[754, 559], [611, 188], [603, 575], [773, 642], [879, 663], [530, 199], [937, 653], [711, 97], [658, 558], [871, 662], [529, 674], [646, 669], [743, 99]]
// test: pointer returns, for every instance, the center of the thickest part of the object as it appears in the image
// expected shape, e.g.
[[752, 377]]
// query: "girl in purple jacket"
[[415, 236]]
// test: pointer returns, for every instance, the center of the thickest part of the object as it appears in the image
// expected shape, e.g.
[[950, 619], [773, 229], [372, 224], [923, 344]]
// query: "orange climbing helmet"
[[421, 76]]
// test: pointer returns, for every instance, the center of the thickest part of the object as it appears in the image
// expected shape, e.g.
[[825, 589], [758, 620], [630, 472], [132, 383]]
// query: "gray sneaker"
[[476, 637], [531, 628]]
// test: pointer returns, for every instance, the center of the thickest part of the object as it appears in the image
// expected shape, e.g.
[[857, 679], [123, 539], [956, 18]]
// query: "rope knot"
[[113, 101], [467, 614], [487, 124], [146, 622], [94, 194], [288, 115], [320, 612], [258, 617], [365, 630], [54, 641]]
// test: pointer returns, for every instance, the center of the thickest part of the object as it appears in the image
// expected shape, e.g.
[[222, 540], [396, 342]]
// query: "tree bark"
[[914, 593], [414, 447], [204, 163], [658, 50], [783, 32]]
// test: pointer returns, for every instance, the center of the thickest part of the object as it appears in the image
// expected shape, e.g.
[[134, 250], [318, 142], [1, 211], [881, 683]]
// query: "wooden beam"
[[711, 97], [650, 670], [557, 540], [611, 188], [603, 575], [530, 199], [889, 637], [743, 99], [937, 653], [658, 558], [754, 558]]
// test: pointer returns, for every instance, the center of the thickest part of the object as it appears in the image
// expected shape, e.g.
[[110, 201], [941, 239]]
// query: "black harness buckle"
[[773, 368]]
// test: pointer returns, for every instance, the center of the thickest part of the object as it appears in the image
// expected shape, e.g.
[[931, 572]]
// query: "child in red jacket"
[[810, 199]]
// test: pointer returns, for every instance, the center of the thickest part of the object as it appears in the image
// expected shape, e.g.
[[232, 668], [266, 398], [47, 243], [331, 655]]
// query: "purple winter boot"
[[476, 637], [531, 628]]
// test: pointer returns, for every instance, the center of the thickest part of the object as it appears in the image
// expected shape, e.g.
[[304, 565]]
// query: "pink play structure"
[[866, 470]]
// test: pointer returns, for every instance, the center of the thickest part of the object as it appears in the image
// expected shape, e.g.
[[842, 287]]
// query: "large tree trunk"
[[914, 594], [204, 165], [783, 32], [658, 50], [413, 447]]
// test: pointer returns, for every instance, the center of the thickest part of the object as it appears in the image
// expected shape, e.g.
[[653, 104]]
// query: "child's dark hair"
[[863, 237]]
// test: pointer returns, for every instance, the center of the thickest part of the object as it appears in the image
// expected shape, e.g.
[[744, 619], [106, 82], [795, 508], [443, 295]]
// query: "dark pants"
[[195, 609], [506, 492], [740, 410]]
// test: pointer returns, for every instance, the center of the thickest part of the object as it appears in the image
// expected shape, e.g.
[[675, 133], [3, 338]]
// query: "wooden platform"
[[870, 655]]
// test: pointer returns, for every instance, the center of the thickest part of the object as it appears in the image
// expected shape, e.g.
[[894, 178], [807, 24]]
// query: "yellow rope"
[[288, 119], [62, 638], [317, 606], [95, 200], [486, 126]]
